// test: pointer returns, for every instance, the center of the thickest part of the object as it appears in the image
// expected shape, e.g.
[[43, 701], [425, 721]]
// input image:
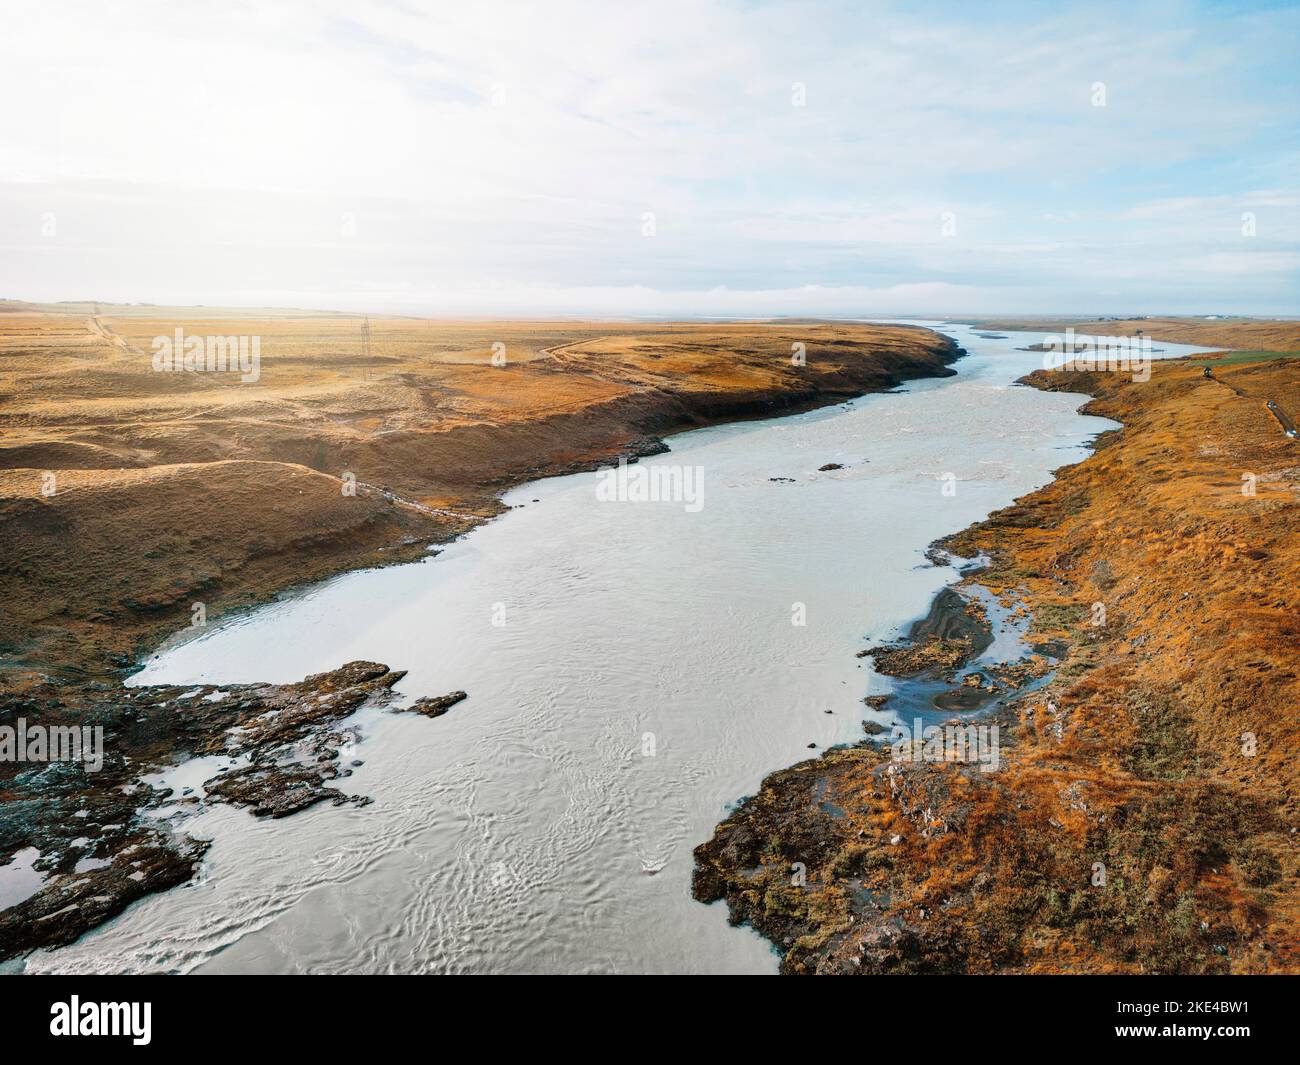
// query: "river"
[[634, 669]]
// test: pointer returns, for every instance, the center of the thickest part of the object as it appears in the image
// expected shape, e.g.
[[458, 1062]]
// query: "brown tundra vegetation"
[[1145, 816]]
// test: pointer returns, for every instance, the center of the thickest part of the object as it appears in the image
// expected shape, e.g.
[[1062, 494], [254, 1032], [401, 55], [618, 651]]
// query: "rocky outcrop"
[[104, 838], [436, 705]]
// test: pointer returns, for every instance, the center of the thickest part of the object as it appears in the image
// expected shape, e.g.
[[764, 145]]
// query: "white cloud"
[[349, 149]]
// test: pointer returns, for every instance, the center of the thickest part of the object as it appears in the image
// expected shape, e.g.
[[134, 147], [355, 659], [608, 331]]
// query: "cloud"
[[343, 149]]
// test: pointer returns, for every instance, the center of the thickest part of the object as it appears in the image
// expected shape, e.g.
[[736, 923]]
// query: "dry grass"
[[1138, 756], [173, 488], [1249, 334]]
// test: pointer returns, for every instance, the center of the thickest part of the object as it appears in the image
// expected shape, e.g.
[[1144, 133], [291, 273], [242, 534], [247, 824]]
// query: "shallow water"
[[646, 677]]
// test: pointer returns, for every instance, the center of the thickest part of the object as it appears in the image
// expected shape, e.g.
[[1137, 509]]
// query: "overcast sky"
[[692, 158]]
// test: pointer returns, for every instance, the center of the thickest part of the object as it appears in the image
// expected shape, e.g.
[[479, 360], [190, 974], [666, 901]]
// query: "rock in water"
[[436, 705]]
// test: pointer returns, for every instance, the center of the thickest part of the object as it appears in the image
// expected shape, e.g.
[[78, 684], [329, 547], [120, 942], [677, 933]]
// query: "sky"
[[667, 159]]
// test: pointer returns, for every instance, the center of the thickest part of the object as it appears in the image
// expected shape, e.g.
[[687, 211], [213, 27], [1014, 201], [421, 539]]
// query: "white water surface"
[[526, 830]]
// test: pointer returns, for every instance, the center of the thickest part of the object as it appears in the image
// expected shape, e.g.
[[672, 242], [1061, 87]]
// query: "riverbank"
[[128, 495], [102, 834], [1272, 335], [1143, 814], [177, 490]]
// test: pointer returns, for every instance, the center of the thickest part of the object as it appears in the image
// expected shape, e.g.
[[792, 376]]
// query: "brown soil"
[[172, 489], [1145, 816]]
